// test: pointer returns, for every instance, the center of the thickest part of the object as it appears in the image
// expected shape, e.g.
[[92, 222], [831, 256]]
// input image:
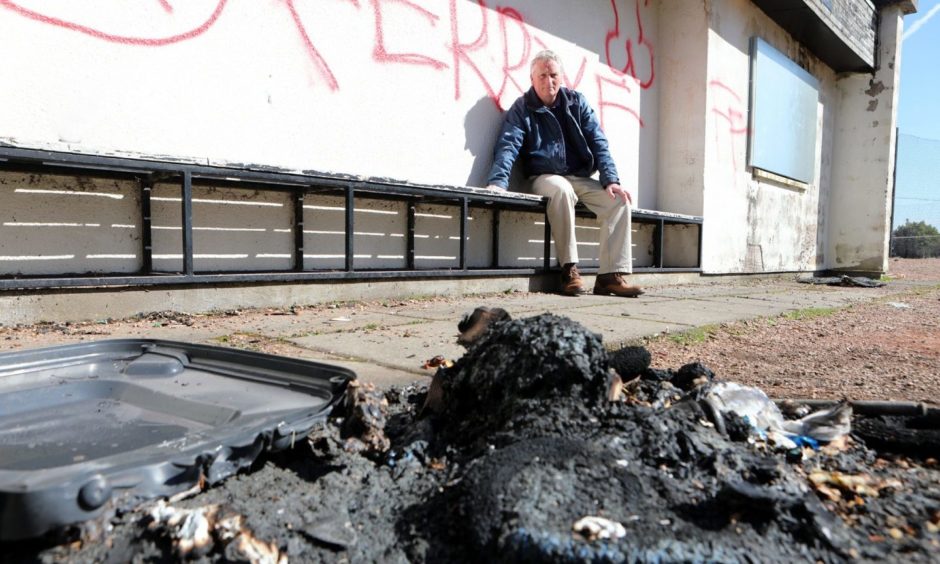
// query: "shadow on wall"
[[481, 126]]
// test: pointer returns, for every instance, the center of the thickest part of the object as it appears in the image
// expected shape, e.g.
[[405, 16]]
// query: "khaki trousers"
[[563, 192]]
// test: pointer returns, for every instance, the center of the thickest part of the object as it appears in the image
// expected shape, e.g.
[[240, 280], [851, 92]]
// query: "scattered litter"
[[855, 281], [474, 324], [437, 362], [899, 305], [763, 415], [344, 318], [365, 414], [196, 532], [593, 528]]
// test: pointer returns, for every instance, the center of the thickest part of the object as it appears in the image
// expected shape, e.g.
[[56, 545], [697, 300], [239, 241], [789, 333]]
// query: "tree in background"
[[916, 240]]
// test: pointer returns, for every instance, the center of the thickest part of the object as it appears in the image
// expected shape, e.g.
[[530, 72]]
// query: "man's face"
[[546, 78]]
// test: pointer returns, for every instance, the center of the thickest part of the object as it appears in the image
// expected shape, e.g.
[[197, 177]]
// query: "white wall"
[[414, 90], [863, 162], [752, 224], [406, 89]]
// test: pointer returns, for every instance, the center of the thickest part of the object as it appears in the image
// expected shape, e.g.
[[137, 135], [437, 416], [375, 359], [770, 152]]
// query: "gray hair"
[[545, 55]]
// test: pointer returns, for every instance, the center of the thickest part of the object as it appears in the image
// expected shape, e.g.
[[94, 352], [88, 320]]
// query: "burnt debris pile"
[[518, 366], [540, 446]]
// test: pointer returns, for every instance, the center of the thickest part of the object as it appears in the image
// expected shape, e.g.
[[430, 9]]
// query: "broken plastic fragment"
[[593, 528]]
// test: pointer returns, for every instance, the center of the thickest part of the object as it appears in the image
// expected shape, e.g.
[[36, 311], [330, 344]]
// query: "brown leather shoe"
[[571, 283], [613, 283]]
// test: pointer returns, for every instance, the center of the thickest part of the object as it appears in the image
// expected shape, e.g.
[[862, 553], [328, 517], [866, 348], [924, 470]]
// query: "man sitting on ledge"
[[560, 140]]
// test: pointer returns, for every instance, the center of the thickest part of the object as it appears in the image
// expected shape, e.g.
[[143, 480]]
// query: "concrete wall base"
[[96, 304]]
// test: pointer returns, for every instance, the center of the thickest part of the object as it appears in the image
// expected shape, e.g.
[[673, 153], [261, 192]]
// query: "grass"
[[694, 336], [810, 313]]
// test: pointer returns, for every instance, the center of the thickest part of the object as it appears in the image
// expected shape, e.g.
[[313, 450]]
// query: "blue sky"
[[917, 196], [918, 111]]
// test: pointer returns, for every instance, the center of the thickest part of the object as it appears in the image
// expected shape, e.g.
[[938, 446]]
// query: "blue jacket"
[[530, 130]]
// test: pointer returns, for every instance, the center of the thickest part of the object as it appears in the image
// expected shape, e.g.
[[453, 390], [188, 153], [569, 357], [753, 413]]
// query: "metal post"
[[547, 245], [187, 223], [464, 220], [350, 229], [701, 227], [658, 236], [299, 230], [410, 235], [495, 260], [146, 226]]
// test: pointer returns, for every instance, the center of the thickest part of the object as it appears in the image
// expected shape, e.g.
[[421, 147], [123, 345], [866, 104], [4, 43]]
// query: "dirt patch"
[[888, 349]]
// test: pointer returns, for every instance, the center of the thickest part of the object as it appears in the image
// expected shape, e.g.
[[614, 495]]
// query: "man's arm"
[[597, 142], [507, 148]]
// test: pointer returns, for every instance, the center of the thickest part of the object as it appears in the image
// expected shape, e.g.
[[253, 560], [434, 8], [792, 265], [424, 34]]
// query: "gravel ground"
[[883, 350]]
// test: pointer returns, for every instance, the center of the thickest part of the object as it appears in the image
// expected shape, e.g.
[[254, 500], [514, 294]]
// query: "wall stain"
[[875, 88]]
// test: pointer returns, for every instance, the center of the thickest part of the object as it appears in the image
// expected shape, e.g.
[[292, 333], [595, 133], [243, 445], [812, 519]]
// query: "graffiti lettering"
[[729, 107], [381, 54], [496, 63], [603, 103], [631, 67], [505, 16], [115, 38], [318, 61]]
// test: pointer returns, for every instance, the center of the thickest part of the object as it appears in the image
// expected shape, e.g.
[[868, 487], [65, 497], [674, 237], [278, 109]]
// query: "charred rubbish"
[[526, 459]]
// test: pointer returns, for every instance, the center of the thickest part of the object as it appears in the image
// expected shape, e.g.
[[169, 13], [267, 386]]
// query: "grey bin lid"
[[84, 427]]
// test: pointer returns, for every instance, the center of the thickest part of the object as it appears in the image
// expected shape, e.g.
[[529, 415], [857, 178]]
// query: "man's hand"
[[613, 190]]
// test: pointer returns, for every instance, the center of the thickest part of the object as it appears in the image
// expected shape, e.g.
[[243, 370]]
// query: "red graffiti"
[[381, 54], [471, 58], [737, 120], [461, 51], [728, 106], [124, 39], [603, 104], [630, 68], [311, 50], [507, 15]]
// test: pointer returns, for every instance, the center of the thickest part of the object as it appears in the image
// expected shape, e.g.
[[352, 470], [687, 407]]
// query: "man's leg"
[[560, 210], [615, 238], [561, 201], [616, 223]]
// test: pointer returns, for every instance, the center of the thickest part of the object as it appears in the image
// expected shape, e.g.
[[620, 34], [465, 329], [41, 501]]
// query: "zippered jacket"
[[531, 131]]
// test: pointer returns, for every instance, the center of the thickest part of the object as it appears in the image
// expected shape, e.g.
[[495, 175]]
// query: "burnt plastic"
[[112, 423]]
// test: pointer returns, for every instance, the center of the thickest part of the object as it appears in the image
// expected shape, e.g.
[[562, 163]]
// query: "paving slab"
[[405, 348], [802, 300], [616, 331], [705, 290], [691, 313]]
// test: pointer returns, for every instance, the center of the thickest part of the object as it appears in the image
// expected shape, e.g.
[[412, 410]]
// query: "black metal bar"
[[186, 221], [350, 229], [495, 242], [464, 220], [658, 245], [410, 235], [701, 228], [91, 165], [299, 231], [146, 226], [284, 277], [547, 244], [256, 277]]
